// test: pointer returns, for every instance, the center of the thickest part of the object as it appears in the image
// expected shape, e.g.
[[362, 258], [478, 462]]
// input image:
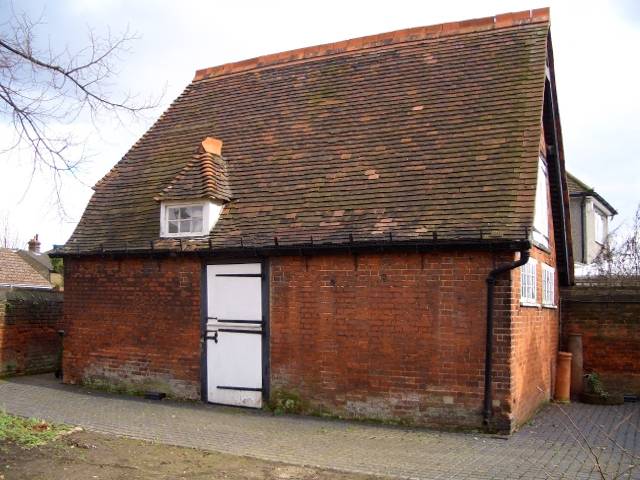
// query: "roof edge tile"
[[505, 20]]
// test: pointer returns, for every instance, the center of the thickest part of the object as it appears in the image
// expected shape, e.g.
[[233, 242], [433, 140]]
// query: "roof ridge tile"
[[505, 20]]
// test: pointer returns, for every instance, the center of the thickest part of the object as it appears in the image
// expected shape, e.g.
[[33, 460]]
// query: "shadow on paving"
[[561, 442]]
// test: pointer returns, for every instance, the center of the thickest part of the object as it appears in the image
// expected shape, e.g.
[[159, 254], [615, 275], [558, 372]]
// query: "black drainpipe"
[[488, 356], [583, 228]]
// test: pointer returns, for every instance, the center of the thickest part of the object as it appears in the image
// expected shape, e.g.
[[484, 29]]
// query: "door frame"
[[264, 285]]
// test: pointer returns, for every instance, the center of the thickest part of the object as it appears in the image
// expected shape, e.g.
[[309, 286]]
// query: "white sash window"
[[548, 286], [528, 282]]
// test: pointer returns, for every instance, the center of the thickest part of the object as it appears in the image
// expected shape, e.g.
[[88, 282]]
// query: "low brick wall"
[[29, 324], [608, 317]]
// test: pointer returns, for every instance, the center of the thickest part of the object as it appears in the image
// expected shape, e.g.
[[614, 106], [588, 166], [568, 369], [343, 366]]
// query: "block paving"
[[559, 443]]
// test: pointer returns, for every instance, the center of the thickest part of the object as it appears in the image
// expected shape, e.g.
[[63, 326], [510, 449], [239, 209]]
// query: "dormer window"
[[188, 219], [192, 202]]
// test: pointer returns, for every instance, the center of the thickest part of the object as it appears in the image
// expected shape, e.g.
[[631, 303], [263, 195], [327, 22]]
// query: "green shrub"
[[594, 384], [286, 402]]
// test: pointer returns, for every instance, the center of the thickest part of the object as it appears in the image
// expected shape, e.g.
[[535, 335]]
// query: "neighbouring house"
[[375, 228], [590, 217], [41, 263], [30, 312], [25, 268]]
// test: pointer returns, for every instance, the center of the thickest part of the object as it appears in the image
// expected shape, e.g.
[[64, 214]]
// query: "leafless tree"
[[9, 238], [43, 90], [620, 257], [595, 453]]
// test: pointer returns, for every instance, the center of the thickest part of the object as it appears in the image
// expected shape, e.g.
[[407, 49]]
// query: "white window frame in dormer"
[[541, 215], [210, 214]]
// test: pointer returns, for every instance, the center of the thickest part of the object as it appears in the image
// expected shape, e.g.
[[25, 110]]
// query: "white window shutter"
[[541, 217]]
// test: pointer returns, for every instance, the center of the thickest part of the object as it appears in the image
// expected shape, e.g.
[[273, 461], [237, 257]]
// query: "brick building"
[[342, 227]]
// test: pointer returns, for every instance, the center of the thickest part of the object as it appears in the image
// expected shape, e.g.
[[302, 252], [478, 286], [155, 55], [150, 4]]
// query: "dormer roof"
[[204, 177]]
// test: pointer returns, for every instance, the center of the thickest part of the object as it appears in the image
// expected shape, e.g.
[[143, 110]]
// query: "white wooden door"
[[234, 334]]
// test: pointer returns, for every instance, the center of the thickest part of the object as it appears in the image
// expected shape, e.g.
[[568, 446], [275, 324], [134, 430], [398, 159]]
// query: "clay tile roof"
[[408, 135], [16, 271], [205, 176]]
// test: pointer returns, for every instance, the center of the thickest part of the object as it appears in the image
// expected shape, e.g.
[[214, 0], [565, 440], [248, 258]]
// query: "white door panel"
[[239, 381], [234, 298], [234, 334]]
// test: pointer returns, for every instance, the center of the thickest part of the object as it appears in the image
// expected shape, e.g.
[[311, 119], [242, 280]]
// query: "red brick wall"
[[133, 324], [535, 332], [387, 336], [608, 317], [29, 322]]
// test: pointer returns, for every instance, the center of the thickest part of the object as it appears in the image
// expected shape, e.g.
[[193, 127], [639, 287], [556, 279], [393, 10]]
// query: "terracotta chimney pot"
[[34, 244], [212, 145]]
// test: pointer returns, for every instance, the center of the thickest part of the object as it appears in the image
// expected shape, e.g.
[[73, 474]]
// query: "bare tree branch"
[[582, 442], [620, 257], [43, 91], [9, 238]]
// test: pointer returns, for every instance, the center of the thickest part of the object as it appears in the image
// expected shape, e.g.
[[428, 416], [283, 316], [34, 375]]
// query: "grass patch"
[[27, 432]]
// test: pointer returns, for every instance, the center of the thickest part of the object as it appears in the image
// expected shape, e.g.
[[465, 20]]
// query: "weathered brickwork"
[[29, 322], [534, 333], [387, 336], [133, 324], [534, 339], [390, 336], [608, 317]]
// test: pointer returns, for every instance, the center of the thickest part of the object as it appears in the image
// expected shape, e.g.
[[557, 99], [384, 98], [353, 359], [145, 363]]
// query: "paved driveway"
[[550, 447]]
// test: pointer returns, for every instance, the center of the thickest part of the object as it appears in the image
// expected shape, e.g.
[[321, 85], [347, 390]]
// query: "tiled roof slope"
[[578, 188], [205, 176], [414, 134], [16, 271]]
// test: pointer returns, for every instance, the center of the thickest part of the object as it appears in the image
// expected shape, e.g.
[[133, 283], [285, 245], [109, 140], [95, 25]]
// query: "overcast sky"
[[596, 59]]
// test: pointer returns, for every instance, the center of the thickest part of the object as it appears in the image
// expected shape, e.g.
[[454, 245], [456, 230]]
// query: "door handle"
[[215, 337]]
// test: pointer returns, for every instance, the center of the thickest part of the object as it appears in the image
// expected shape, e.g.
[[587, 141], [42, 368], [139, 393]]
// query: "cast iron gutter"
[[488, 358], [264, 250], [597, 196]]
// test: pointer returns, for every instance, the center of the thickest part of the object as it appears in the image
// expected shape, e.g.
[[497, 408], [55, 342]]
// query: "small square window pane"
[[173, 213], [196, 225], [196, 212], [185, 226], [173, 226], [185, 213]]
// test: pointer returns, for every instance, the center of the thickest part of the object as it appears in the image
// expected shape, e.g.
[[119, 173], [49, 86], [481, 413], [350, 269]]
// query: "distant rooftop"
[[17, 271], [577, 188]]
